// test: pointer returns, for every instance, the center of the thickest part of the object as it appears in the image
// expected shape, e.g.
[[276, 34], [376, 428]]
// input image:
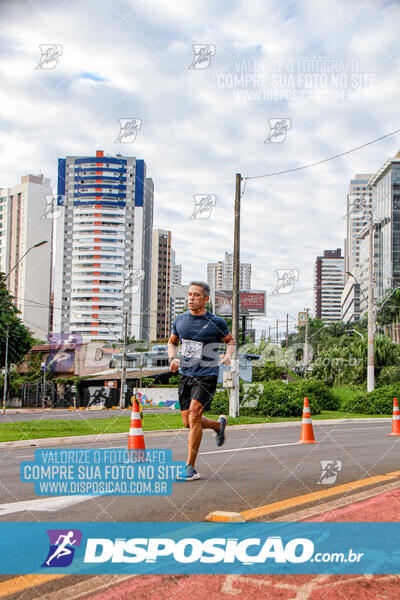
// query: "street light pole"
[[305, 351], [5, 374], [22, 257], [371, 365], [355, 331], [234, 390], [123, 373], [371, 316], [43, 366]]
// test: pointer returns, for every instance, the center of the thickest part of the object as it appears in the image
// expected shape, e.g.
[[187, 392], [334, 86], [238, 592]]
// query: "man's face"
[[196, 298]]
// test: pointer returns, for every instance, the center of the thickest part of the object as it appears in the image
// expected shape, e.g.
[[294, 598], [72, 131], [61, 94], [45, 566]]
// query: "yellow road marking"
[[24, 582], [261, 511]]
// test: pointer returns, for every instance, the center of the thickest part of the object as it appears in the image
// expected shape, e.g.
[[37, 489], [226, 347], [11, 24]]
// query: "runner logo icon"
[[62, 547]]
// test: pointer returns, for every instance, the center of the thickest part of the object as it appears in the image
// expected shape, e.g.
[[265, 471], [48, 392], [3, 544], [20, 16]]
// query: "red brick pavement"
[[384, 507]]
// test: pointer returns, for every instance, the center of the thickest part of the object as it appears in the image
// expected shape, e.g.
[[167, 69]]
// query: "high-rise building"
[[220, 274], [102, 263], [245, 274], [386, 217], [329, 283], [178, 300], [23, 223], [358, 213], [176, 271], [361, 273], [160, 285], [215, 275], [350, 300], [359, 209]]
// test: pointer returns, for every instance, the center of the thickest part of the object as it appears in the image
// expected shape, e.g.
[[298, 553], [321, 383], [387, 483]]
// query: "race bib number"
[[191, 351]]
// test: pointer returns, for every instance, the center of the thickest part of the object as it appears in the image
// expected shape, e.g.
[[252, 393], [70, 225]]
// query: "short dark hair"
[[202, 284]]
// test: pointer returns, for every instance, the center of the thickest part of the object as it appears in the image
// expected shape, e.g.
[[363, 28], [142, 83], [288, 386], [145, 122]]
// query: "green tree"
[[390, 311], [20, 339]]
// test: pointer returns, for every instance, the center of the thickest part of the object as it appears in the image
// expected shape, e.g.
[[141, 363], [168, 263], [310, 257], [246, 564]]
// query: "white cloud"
[[195, 136]]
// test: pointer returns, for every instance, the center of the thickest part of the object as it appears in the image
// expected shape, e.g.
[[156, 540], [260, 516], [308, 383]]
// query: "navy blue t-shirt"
[[199, 336]]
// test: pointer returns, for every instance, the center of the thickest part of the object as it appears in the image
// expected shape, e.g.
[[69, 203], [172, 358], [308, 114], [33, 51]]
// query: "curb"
[[222, 516], [105, 437]]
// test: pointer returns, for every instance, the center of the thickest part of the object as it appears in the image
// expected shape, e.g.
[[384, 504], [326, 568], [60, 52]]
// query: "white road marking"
[[26, 456], [51, 504], [250, 448], [358, 428], [89, 585]]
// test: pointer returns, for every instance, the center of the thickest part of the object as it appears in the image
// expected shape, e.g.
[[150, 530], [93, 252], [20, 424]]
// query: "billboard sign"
[[252, 303]]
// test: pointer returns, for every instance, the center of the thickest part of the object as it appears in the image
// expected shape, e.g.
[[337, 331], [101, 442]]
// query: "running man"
[[62, 543], [199, 332]]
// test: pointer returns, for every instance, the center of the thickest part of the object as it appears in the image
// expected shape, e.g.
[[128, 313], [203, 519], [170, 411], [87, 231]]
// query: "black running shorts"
[[201, 389]]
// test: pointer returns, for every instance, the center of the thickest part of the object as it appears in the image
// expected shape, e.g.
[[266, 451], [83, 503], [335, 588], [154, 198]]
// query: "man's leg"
[[196, 410], [206, 423]]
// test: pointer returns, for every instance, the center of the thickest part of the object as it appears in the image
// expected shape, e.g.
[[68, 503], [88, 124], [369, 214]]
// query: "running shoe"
[[220, 436], [190, 474]]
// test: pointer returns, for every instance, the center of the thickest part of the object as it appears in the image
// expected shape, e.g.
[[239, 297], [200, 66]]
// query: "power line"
[[320, 162]]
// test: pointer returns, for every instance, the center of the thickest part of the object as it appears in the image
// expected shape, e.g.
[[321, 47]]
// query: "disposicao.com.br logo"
[[248, 551], [62, 547]]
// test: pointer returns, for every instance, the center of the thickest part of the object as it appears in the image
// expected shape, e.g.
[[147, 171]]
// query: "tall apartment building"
[[358, 211], [245, 274], [176, 271], [24, 222], [215, 275], [178, 300], [386, 214], [160, 285], [329, 283], [102, 240], [220, 274]]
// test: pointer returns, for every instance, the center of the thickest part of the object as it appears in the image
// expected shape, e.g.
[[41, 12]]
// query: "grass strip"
[[27, 430]]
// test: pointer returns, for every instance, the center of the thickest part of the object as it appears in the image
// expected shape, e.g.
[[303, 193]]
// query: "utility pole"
[[123, 373], [371, 365], [277, 331], [305, 352], [287, 330], [234, 390], [5, 374], [43, 368], [243, 329]]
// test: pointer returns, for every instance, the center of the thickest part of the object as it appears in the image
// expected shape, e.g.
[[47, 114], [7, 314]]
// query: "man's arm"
[[225, 359], [173, 343]]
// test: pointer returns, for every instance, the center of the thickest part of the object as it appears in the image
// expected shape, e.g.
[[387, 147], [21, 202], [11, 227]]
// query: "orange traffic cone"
[[307, 432], [136, 439], [395, 418]]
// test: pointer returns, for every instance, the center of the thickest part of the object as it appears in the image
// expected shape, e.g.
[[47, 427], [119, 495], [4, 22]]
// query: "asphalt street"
[[255, 467]]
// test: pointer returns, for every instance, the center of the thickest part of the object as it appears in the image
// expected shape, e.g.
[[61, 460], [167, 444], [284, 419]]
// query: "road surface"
[[255, 467]]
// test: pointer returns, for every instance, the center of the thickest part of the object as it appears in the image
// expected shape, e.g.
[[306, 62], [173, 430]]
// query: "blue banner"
[[102, 472], [162, 548]]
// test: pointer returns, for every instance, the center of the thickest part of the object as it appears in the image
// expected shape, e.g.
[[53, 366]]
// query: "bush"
[[272, 399], [287, 399], [220, 403], [388, 375], [268, 371], [347, 392], [378, 402], [319, 391]]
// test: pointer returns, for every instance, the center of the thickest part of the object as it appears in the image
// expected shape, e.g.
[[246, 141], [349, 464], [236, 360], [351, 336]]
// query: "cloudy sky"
[[329, 70]]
